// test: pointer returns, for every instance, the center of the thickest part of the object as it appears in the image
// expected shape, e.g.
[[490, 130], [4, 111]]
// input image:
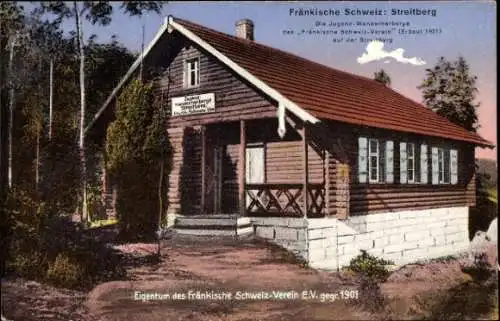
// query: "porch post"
[[203, 164], [305, 150], [241, 168]]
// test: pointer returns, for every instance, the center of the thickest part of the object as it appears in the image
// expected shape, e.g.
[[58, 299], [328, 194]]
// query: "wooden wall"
[[234, 98], [368, 198]]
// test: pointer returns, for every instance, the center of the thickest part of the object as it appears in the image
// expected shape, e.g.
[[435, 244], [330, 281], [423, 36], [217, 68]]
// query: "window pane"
[[373, 168], [446, 167], [410, 174], [373, 173], [373, 146], [410, 150]]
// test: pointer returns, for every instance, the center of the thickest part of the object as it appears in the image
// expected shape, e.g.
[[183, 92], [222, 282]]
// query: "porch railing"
[[284, 199]]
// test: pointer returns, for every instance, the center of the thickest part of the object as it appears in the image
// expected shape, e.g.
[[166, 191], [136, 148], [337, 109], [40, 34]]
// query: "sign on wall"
[[195, 104]]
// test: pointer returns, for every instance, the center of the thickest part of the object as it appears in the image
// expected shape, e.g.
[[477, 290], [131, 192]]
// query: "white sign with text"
[[196, 104]]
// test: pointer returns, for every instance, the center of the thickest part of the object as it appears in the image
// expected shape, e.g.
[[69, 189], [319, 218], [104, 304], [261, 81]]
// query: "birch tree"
[[95, 12]]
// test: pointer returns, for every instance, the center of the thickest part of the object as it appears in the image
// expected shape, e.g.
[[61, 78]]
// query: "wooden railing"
[[284, 199]]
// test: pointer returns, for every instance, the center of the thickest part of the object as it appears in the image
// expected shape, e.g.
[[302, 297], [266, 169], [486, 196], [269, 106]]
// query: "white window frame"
[[189, 72], [441, 165], [370, 155], [412, 157]]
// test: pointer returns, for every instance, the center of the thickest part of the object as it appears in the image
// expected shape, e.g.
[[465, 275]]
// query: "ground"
[[228, 265]]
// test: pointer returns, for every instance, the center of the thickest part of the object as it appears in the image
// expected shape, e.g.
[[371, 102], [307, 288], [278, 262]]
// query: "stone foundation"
[[403, 237]]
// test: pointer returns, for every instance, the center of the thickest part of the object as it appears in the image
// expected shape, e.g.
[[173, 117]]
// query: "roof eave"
[[271, 92]]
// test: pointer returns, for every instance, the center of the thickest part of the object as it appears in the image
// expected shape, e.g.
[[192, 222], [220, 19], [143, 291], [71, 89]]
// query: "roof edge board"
[[301, 113], [129, 73]]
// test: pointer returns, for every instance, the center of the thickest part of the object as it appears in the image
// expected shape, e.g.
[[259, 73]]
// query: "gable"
[[235, 98]]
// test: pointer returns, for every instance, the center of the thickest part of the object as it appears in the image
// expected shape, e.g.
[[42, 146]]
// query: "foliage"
[[135, 147], [469, 300], [51, 248], [42, 243], [372, 271], [449, 89], [101, 223], [65, 271], [488, 167], [486, 208], [99, 12], [371, 267], [382, 77]]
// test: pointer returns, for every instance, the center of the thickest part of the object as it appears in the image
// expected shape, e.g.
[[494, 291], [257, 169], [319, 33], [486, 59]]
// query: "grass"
[[493, 195], [101, 223]]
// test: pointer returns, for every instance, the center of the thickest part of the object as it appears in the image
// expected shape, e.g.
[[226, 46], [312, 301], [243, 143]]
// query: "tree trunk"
[[37, 168], [11, 105], [51, 94], [81, 145]]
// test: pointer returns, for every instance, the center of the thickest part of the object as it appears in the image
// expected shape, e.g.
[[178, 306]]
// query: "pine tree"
[[450, 90], [382, 77], [136, 149]]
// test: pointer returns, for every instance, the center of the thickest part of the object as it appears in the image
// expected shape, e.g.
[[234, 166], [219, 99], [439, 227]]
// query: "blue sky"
[[466, 28]]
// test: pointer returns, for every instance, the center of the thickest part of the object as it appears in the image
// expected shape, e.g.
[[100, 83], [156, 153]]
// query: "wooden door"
[[213, 180], [255, 166]]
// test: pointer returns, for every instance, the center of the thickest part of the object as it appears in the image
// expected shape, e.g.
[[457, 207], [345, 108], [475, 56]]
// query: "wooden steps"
[[213, 225]]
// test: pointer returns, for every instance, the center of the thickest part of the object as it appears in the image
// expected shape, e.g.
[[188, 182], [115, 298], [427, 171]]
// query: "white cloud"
[[375, 51]]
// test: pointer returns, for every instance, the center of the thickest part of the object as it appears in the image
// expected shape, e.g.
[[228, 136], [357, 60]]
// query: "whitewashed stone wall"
[[402, 237], [289, 233], [407, 236]]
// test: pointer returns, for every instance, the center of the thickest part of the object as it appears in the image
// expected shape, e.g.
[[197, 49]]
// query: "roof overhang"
[[169, 25]]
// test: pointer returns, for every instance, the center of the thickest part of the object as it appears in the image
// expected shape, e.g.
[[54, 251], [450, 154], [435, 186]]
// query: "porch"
[[247, 169]]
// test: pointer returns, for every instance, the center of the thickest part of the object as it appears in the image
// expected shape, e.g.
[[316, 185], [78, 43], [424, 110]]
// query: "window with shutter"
[[441, 162], [410, 163], [423, 164], [446, 166], [381, 162], [373, 160], [454, 166], [402, 163], [435, 166], [362, 159], [389, 161]]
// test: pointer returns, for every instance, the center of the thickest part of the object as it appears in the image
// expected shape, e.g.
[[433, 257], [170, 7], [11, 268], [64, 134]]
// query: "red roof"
[[327, 93]]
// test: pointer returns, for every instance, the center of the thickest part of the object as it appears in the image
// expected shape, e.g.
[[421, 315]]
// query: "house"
[[255, 129]]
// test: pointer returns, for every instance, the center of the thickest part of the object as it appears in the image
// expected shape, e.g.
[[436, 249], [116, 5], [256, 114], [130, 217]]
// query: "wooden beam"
[[203, 164], [294, 125], [305, 157], [241, 168], [326, 176]]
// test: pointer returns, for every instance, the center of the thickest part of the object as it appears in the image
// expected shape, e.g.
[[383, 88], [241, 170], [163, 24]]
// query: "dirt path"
[[222, 267]]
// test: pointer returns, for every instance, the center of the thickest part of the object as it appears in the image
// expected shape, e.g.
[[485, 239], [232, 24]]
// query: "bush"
[[66, 271], [372, 271], [370, 267], [48, 247], [134, 162], [28, 264]]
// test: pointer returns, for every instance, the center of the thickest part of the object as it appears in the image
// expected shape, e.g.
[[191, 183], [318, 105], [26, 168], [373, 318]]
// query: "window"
[[192, 71], [373, 160], [443, 159], [410, 152]]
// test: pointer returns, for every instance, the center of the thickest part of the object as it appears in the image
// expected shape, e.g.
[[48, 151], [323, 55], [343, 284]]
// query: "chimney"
[[244, 29]]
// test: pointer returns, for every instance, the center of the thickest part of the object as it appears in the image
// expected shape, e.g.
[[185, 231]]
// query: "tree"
[[382, 77], [96, 12], [450, 90], [136, 150]]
